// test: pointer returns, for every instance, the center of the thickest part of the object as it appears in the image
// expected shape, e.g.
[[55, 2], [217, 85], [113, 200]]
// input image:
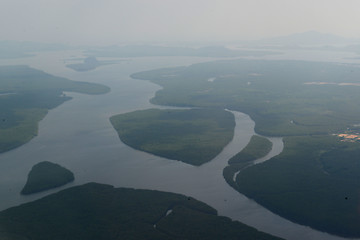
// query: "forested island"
[[193, 136], [314, 105], [101, 212], [26, 95], [258, 147], [46, 175], [90, 63]]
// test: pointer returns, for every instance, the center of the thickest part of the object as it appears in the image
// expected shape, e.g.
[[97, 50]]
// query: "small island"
[[46, 175], [193, 136], [101, 212], [89, 63]]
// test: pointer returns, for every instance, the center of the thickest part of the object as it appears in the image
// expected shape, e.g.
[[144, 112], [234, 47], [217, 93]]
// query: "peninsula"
[[26, 95]]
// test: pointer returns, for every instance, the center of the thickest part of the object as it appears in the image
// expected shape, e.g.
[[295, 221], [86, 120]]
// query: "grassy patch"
[[193, 136]]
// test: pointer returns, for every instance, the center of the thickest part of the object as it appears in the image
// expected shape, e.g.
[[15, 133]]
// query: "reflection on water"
[[79, 136]]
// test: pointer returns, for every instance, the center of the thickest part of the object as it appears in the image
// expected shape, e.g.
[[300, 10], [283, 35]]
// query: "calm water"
[[79, 136]]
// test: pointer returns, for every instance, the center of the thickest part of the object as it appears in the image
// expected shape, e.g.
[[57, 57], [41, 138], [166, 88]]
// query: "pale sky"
[[117, 21]]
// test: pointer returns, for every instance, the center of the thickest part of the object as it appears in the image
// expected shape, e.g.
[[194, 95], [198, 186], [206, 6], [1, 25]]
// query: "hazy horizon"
[[113, 21]]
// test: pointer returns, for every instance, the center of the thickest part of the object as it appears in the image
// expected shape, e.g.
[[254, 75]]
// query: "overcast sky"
[[117, 21]]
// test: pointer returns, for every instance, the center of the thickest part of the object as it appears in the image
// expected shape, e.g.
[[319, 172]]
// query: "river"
[[79, 136]]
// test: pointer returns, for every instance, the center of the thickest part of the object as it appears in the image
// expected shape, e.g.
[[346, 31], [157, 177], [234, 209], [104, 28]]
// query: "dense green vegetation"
[[26, 95], [315, 181], [193, 136], [46, 175], [273, 93], [230, 172], [96, 211], [258, 147]]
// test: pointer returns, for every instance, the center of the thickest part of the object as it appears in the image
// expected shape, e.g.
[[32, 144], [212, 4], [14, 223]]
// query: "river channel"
[[79, 136]]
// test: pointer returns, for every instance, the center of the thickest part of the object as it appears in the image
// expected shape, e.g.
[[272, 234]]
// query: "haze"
[[120, 21]]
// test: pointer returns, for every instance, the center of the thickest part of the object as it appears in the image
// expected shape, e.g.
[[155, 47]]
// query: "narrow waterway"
[[79, 136]]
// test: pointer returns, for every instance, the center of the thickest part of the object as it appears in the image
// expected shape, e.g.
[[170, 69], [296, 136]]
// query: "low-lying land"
[[315, 181], [88, 64], [26, 95], [273, 93], [97, 211], [193, 136], [46, 175], [257, 147]]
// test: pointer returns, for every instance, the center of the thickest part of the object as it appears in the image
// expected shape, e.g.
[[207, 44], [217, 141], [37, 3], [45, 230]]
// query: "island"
[[101, 212], [257, 148], [46, 175], [193, 136], [89, 63], [314, 106], [26, 95]]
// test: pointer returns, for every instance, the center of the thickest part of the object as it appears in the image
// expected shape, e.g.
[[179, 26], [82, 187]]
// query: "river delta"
[[79, 136]]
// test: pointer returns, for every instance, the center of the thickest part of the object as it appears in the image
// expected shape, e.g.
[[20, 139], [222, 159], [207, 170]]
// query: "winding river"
[[79, 136]]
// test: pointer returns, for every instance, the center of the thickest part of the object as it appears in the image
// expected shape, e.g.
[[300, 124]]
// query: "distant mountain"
[[153, 50], [308, 38]]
